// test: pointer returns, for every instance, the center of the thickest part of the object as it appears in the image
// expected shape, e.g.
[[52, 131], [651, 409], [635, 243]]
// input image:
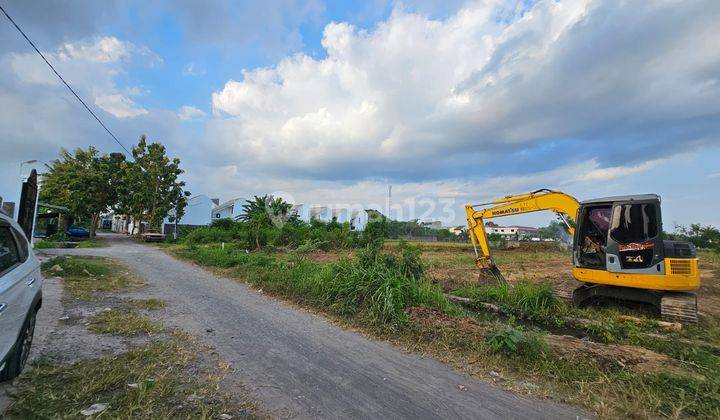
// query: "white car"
[[20, 297]]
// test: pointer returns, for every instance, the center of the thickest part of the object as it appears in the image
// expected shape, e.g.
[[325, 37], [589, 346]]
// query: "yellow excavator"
[[618, 251]]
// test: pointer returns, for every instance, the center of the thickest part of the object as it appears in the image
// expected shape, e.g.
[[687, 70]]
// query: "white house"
[[230, 209], [458, 230], [513, 232], [198, 212], [432, 224]]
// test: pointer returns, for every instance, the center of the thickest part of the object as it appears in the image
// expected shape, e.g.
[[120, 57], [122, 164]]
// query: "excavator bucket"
[[491, 275]]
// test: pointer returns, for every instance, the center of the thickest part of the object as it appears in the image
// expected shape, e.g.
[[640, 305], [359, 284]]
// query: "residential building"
[[432, 224], [514, 232], [458, 230], [198, 212], [232, 209]]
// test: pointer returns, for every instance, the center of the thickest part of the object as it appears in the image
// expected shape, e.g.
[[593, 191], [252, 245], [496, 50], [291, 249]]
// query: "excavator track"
[[679, 307]]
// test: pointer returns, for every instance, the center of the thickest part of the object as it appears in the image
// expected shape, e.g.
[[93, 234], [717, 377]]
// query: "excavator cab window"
[[635, 230], [634, 223], [594, 227]]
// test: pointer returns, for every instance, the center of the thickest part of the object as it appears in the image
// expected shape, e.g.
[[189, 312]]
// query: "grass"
[[375, 287], [85, 277], [82, 243], [124, 322], [162, 378], [152, 381], [92, 243], [531, 301], [375, 291], [146, 304]]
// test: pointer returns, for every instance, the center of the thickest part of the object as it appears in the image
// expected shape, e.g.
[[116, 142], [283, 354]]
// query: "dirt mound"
[[633, 358]]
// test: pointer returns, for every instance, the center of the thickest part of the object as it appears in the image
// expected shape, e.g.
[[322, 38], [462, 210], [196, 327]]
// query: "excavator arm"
[[563, 204]]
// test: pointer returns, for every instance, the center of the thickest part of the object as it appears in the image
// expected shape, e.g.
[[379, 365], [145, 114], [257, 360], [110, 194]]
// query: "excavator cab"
[[619, 252], [620, 234]]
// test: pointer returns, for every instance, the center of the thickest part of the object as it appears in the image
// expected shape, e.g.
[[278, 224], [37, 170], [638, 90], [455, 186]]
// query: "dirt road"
[[300, 365]]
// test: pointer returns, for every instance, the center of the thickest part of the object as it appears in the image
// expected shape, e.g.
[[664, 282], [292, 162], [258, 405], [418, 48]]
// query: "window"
[[634, 223], [22, 245], [9, 255]]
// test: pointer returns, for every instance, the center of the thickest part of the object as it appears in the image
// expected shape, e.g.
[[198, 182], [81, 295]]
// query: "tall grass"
[[532, 301], [375, 286]]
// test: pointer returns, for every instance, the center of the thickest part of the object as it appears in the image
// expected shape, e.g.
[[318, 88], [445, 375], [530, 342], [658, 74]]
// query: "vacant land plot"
[[615, 360]]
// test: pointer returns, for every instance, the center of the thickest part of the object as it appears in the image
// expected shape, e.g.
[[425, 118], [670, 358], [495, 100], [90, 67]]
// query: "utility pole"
[[389, 201]]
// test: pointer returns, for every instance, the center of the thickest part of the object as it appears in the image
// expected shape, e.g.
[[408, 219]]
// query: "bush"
[[505, 340], [510, 340], [208, 235], [381, 286], [224, 224], [57, 237]]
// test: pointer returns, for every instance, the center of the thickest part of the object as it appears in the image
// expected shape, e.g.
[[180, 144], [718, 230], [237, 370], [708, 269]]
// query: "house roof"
[[227, 204]]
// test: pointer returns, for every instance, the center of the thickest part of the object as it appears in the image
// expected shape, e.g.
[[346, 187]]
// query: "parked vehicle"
[[77, 232], [20, 297]]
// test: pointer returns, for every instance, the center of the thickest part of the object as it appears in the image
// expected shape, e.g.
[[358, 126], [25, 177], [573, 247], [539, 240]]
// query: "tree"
[[555, 230], [702, 236], [85, 183], [150, 187], [263, 212]]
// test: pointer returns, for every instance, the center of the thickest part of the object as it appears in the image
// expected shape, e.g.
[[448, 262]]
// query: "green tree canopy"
[[84, 182], [150, 187]]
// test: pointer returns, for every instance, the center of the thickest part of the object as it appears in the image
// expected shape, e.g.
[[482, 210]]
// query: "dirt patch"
[[634, 358], [430, 317], [709, 292]]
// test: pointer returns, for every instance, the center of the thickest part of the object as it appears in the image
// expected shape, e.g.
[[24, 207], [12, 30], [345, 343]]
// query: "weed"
[[505, 340], [85, 276], [158, 372], [92, 243], [121, 321], [146, 304], [511, 340], [531, 301]]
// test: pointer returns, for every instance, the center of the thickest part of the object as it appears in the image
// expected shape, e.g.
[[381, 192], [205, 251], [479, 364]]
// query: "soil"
[[634, 358]]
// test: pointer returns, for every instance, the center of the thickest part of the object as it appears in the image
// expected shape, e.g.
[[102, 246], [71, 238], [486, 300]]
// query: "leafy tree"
[[261, 213], [702, 236], [85, 183], [150, 187], [555, 230]]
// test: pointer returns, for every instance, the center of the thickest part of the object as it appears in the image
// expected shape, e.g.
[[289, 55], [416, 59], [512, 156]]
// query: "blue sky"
[[329, 102]]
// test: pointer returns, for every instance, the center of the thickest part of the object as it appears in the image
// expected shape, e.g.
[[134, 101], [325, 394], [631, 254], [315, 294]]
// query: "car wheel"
[[21, 351]]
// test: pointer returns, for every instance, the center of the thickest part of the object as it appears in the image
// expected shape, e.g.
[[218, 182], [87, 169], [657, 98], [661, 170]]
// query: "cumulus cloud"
[[619, 83], [91, 65], [610, 173], [188, 113], [119, 105]]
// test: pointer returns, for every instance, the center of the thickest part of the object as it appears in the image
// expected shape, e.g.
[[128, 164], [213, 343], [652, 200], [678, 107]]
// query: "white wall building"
[[512, 232], [230, 209], [198, 211]]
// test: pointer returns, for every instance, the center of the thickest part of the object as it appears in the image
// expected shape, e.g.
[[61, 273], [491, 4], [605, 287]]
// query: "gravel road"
[[299, 365]]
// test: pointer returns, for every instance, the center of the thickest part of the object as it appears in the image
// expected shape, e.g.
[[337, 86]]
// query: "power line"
[[63, 80]]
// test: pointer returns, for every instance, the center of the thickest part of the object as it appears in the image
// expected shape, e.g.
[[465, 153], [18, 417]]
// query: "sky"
[[329, 102]]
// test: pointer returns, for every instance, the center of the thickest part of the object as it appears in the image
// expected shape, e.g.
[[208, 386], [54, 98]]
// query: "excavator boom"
[[540, 200]]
